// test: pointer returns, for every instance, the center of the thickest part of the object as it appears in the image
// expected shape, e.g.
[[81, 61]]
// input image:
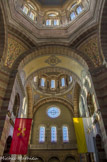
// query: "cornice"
[[42, 36]]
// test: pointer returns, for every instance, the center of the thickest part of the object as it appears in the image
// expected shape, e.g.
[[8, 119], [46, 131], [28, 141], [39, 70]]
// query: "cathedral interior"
[[53, 68]]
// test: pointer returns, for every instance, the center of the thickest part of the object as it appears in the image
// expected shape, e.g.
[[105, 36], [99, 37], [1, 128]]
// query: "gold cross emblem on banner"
[[21, 132]]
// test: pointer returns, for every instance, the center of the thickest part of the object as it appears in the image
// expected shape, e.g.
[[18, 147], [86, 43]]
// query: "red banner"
[[20, 138]]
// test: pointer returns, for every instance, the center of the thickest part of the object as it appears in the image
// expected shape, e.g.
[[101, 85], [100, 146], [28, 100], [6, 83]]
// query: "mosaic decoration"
[[53, 60], [15, 49], [36, 97], [90, 48], [69, 97]]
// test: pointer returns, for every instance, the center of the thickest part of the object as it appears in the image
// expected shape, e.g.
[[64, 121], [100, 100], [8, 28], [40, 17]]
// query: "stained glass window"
[[65, 134], [42, 134], [62, 82], [25, 10], [53, 134], [72, 16], [79, 9], [52, 83], [53, 112]]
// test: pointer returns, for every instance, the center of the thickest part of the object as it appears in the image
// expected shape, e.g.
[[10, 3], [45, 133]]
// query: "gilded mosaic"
[[90, 48], [15, 49], [53, 60]]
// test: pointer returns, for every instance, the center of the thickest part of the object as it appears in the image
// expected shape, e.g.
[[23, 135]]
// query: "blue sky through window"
[[42, 82], [52, 83], [63, 82]]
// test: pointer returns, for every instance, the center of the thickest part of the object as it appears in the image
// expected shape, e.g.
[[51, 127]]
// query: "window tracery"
[[53, 112]]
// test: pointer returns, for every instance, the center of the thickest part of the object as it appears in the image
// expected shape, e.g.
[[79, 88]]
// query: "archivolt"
[[53, 99]]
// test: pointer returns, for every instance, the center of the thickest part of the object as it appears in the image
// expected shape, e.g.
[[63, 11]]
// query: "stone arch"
[[2, 32], [49, 99], [16, 105], [103, 29], [100, 149], [90, 104], [54, 69], [69, 159], [30, 101], [76, 99], [7, 147], [26, 57], [39, 159], [54, 159]]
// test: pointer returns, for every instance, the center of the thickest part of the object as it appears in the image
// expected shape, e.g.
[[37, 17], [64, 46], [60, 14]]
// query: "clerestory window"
[[53, 112], [42, 82], [52, 83], [72, 16], [53, 134], [25, 10], [62, 82], [32, 16], [79, 10], [42, 134], [65, 134]]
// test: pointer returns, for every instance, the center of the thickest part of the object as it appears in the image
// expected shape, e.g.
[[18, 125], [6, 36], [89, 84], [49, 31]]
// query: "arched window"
[[25, 10], [35, 79], [52, 83], [31, 6], [48, 22], [56, 22], [72, 16], [32, 16], [62, 82], [42, 82], [82, 107], [73, 5], [53, 134], [65, 134], [70, 79], [79, 10], [42, 134], [90, 103]]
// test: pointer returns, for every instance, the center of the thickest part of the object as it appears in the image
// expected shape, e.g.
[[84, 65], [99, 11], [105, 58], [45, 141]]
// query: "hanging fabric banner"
[[20, 138], [88, 129], [80, 135]]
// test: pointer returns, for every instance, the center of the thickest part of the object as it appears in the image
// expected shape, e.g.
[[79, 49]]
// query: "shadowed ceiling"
[[52, 2]]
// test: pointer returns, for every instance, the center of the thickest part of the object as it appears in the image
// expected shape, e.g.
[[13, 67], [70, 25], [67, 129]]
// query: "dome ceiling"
[[52, 2]]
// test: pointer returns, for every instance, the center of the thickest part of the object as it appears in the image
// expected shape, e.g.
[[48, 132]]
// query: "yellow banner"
[[80, 135]]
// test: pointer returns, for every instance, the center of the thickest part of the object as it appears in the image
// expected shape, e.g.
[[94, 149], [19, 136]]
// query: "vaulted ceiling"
[[52, 2]]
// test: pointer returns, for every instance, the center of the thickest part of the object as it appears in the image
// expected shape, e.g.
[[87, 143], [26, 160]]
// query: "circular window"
[[53, 112]]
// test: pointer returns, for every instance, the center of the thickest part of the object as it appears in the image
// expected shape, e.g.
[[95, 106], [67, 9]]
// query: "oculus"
[[53, 112]]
